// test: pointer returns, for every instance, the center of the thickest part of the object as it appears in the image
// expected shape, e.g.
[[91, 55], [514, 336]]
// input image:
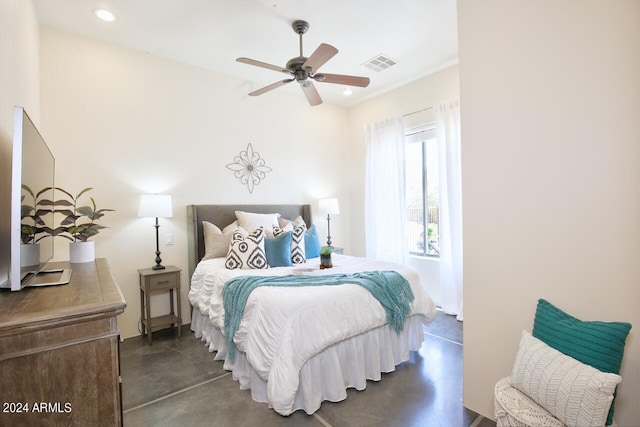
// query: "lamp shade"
[[155, 205], [329, 206]]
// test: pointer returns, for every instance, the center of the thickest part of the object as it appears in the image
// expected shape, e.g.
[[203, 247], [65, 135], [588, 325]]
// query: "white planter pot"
[[29, 254], [81, 252]]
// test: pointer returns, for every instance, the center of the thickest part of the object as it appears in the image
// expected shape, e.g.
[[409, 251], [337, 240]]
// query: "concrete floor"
[[176, 382]]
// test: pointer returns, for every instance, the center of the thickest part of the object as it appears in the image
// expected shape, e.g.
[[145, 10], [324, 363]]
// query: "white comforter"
[[283, 327]]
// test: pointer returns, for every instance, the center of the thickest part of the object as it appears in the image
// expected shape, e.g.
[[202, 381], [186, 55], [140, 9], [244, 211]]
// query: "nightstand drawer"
[[163, 281]]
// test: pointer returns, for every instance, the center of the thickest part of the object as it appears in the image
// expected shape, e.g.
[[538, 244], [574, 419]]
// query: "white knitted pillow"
[[576, 394]]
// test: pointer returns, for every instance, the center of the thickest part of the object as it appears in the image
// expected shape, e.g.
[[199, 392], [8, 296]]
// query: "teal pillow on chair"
[[595, 343]]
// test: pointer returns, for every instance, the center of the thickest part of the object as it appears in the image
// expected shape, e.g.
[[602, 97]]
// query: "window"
[[422, 187]]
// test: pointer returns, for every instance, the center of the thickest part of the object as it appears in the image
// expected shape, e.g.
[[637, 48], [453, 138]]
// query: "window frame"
[[421, 135]]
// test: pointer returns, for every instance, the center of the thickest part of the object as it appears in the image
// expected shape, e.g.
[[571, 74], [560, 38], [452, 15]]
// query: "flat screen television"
[[26, 247]]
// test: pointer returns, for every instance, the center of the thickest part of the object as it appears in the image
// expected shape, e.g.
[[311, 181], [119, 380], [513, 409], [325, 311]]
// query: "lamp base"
[[158, 265]]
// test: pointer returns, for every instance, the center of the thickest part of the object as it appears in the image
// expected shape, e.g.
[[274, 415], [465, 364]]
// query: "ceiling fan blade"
[[311, 93], [263, 65], [322, 54], [270, 87], [342, 79]]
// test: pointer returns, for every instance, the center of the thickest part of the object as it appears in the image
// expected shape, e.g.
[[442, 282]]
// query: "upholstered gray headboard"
[[223, 215]]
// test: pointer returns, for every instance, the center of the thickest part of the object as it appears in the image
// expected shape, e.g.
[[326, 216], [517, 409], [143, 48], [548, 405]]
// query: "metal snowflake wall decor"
[[249, 167]]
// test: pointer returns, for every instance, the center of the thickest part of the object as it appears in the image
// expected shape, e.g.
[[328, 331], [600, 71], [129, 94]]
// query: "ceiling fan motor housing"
[[295, 66]]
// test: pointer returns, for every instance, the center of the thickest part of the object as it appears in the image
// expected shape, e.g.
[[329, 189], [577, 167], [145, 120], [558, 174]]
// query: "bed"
[[298, 346]]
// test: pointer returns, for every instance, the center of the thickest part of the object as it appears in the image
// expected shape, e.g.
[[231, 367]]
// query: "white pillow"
[[251, 221], [287, 227], [229, 229], [297, 221], [576, 394], [216, 242]]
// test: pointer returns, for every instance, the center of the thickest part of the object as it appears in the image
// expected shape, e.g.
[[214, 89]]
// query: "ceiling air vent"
[[379, 63]]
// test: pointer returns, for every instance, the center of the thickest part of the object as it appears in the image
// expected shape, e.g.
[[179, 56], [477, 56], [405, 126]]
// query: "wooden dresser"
[[59, 351]]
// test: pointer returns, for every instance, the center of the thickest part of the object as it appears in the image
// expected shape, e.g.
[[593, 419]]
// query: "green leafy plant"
[[72, 227], [326, 250], [325, 257], [32, 223]]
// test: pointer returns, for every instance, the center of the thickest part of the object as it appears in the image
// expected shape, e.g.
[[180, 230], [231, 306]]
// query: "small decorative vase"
[[325, 261], [29, 254], [81, 252]]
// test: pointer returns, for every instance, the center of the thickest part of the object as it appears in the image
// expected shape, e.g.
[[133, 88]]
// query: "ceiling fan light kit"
[[303, 70]]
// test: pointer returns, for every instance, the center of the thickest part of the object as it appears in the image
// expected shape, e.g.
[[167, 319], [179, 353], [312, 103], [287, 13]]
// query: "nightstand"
[[153, 281], [337, 250]]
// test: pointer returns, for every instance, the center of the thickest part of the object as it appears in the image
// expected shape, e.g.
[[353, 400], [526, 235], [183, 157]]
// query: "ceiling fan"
[[302, 69]]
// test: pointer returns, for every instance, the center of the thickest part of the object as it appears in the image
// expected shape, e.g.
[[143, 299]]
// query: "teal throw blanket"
[[388, 287]]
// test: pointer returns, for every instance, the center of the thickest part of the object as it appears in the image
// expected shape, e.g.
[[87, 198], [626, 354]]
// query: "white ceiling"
[[420, 35]]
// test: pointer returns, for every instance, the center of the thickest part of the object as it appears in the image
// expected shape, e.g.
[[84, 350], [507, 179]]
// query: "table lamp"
[[329, 207], [158, 206]]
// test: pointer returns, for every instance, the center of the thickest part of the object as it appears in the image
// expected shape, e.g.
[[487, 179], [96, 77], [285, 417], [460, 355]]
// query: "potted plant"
[[79, 224], [325, 257], [32, 224]]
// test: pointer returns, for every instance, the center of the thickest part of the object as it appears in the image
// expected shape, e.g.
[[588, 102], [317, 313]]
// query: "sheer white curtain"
[[448, 135], [384, 202]]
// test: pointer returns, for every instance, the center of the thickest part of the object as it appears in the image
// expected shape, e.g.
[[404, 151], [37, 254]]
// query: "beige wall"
[[19, 78], [551, 173], [128, 123]]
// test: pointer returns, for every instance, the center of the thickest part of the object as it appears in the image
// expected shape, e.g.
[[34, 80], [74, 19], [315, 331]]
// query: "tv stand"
[[60, 345]]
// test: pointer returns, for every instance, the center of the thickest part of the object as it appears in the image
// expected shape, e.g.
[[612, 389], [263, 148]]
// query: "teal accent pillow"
[[278, 250], [595, 343], [312, 243]]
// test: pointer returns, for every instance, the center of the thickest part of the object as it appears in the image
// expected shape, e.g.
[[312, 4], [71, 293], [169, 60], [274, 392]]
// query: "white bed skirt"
[[327, 375]]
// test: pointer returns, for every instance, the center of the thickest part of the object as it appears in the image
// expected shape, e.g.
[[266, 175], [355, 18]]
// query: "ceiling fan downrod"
[[300, 27]]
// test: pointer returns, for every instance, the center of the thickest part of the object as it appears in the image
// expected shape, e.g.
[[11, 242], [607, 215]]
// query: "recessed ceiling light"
[[105, 15]]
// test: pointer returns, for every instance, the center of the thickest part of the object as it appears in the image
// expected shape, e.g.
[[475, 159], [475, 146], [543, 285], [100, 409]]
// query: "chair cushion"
[[514, 409]]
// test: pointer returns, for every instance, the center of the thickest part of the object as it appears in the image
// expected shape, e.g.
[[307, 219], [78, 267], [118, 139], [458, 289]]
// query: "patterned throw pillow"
[[298, 254], [247, 253]]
